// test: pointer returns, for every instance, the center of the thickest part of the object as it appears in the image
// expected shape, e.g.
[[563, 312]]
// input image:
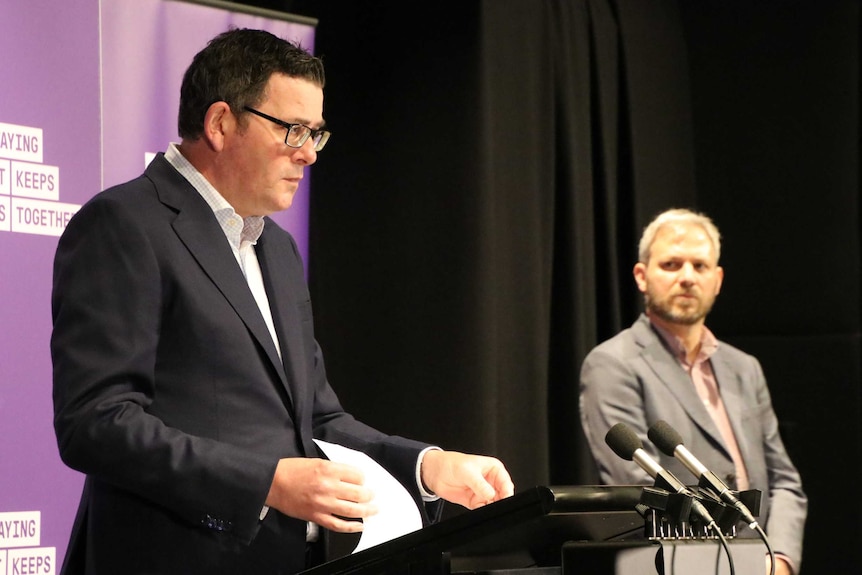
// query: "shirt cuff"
[[427, 496]]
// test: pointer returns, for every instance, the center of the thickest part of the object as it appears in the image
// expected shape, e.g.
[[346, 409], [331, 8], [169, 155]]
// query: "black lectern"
[[525, 530]]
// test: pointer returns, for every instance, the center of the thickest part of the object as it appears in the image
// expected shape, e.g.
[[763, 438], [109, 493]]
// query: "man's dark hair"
[[235, 67]]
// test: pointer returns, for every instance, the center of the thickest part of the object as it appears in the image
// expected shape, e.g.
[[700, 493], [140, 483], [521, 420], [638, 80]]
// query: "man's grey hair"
[[673, 216]]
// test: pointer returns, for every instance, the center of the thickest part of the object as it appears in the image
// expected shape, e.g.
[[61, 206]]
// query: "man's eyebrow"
[[309, 123]]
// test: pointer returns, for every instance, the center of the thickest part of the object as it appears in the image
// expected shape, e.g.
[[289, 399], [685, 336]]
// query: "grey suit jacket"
[[634, 379], [169, 393]]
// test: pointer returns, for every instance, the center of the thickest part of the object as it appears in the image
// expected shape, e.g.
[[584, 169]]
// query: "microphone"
[[625, 443], [670, 443]]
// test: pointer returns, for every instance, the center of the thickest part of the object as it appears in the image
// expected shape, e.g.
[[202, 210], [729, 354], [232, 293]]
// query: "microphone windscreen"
[[623, 441], [664, 437]]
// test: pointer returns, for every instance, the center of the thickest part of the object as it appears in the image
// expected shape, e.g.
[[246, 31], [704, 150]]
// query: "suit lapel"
[[670, 373], [200, 232], [274, 261]]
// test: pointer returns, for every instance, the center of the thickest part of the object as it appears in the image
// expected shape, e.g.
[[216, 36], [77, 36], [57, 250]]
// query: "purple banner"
[[62, 139], [49, 152], [146, 47]]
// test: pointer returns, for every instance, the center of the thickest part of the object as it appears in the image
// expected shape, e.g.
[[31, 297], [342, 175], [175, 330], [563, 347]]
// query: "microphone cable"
[[669, 442], [765, 540], [723, 542], [626, 444]]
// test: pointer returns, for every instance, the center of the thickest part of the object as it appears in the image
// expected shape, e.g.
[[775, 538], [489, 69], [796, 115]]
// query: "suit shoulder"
[[620, 346], [134, 192], [736, 360], [119, 209], [160, 184], [730, 351]]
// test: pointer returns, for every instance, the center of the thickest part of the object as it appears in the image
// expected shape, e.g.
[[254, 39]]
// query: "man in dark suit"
[[188, 385], [668, 366]]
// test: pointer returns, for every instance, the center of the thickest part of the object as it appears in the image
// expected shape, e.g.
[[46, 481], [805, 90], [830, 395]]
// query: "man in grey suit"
[[669, 366], [188, 384]]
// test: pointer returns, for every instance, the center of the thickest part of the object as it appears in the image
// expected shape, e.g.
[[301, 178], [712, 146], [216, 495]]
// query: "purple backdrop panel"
[[49, 153], [146, 47], [61, 141]]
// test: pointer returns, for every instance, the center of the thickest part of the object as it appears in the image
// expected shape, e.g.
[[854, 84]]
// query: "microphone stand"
[[677, 508]]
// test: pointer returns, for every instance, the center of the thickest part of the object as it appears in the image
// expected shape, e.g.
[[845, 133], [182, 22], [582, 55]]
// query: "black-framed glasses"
[[297, 134]]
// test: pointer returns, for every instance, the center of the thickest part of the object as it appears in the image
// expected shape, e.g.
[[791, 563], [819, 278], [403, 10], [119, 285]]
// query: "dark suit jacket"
[[169, 392], [634, 379]]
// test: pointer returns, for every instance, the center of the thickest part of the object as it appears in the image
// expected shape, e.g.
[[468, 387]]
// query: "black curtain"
[[776, 122], [598, 94], [475, 215], [474, 219]]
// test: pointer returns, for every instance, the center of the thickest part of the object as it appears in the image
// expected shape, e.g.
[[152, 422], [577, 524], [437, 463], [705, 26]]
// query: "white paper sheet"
[[397, 512]]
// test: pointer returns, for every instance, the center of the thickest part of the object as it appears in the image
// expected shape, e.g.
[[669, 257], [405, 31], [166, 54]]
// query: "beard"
[[667, 310]]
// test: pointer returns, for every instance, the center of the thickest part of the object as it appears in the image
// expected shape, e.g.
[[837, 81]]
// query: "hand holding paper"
[[323, 492], [397, 512], [352, 485]]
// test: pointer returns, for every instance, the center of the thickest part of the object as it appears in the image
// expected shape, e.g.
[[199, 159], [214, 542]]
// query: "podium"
[[663, 558], [558, 530]]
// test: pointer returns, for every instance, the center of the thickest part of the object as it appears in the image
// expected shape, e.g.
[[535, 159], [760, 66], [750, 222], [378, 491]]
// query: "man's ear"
[[218, 121], [639, 272]]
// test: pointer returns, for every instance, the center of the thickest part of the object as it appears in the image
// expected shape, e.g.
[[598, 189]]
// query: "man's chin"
[[286, 200], [679, 317], [687, 319]]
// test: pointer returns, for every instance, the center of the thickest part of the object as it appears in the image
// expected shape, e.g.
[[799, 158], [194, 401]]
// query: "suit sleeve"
[[107, 305], [788, 503], [610, 393]]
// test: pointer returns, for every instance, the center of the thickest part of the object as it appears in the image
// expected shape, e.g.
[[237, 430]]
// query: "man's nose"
[[686, 273], [305, 154]]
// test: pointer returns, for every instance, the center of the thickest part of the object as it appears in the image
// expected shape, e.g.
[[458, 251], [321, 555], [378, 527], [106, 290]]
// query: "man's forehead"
[[678, 237], [682, 229]]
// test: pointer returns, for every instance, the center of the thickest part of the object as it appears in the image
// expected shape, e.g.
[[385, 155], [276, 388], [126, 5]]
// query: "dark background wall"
[[474, 217], [776, 99]]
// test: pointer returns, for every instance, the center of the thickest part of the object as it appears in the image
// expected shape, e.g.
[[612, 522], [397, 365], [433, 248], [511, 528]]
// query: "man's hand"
[[782, 567], [321, 491], [468, 480]]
